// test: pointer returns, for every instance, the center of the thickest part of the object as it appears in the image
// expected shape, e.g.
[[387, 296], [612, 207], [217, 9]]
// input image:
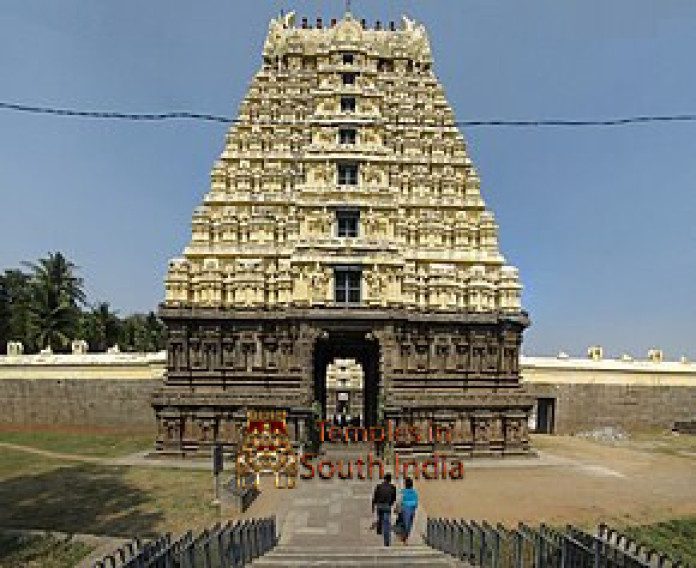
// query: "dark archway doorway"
[[344, 392], [349, 346]]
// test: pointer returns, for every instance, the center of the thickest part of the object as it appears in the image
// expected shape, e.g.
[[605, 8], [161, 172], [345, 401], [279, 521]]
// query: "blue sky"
[[600, 221]]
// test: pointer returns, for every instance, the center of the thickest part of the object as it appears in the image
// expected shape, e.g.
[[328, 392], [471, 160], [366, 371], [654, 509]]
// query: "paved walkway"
[[320, 512]]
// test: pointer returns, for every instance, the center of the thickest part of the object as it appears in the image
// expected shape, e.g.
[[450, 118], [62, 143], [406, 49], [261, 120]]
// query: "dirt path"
[[589, 482], [139, 459], [53, 455]]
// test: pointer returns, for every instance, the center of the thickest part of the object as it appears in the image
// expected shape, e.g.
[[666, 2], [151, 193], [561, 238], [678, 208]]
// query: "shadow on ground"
[[79, 499]]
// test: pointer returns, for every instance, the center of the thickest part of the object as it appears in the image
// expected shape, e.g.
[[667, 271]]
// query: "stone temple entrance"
[[459, 373], [345, 383], [361, 348], [344, 220]]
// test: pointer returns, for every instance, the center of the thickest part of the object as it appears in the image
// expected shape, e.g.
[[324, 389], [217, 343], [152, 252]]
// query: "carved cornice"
[[322, 315]]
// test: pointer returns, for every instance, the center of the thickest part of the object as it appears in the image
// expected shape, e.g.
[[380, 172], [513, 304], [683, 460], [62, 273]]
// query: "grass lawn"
[[49, 494], [46, 493], [676, 538], [85, 444], [40, 551], [16, 463]]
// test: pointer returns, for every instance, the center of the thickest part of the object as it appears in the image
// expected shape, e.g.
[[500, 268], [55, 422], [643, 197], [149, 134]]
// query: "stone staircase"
[[330, 523], [286, 556]]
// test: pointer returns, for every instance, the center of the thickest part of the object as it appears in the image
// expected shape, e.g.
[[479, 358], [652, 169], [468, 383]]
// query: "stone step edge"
[[417, 554], [353, 552], [377, 561]]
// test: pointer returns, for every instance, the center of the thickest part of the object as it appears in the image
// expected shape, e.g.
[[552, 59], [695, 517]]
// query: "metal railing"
[[484, 545], [242, 490], [232, 545]]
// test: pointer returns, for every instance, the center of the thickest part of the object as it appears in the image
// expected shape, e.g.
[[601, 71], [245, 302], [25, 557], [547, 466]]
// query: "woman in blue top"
[[409, 504]]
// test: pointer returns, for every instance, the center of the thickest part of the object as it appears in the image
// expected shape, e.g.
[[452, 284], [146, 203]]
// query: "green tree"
[[100, 327], [51, 322], [4, 314], [56, 296], [157, 333], [15, 297], [57, 274], [142, 333]]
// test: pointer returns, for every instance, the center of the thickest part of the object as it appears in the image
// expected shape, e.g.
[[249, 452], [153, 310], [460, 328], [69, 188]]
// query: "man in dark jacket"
[[382, 501]]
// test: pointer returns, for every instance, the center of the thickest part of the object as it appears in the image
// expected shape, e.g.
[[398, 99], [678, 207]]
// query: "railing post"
[[472, 553], [460, 540], [254, 539], [597, 553], [496, 549], [519, 558], [438, 535], [234, 552], [248, 542], [454, 532], [565, 553], [221, 546], [264, 536], [206, 553], [259, 539], [539, 555], [449, 528], [268, 538], [191, 554]]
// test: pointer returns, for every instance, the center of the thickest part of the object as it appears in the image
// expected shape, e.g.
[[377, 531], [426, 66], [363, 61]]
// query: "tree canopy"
[[47, 306]]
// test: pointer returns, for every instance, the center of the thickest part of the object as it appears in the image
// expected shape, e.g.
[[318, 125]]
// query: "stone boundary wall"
[[630, 395], [113, 390], [95, 389]]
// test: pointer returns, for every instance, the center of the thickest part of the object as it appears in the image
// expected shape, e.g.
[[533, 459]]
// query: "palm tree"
[[50, 321], [57, 273], [56, 294]]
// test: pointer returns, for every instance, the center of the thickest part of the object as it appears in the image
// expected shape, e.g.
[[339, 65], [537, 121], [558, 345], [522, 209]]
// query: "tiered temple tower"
[[344, 219]]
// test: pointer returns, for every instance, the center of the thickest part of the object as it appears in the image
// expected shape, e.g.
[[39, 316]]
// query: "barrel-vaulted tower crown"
[[345, 182]]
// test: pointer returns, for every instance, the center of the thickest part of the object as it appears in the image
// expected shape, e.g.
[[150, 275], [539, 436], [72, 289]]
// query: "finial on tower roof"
[[348, 5]]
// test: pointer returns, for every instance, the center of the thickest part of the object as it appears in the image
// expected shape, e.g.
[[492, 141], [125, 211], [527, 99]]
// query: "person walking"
[[409, 504], [382, 502]]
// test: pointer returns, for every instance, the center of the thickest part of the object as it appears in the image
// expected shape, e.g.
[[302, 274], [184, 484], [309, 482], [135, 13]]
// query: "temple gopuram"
[[344, 221]]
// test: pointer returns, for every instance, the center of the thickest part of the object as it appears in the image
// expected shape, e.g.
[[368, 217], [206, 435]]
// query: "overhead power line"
[[205, 117]]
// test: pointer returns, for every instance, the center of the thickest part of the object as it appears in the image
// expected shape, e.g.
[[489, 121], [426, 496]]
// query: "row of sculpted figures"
[[472, 432], [212, 348], [474, 351], [194, 430], [499, 431]]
